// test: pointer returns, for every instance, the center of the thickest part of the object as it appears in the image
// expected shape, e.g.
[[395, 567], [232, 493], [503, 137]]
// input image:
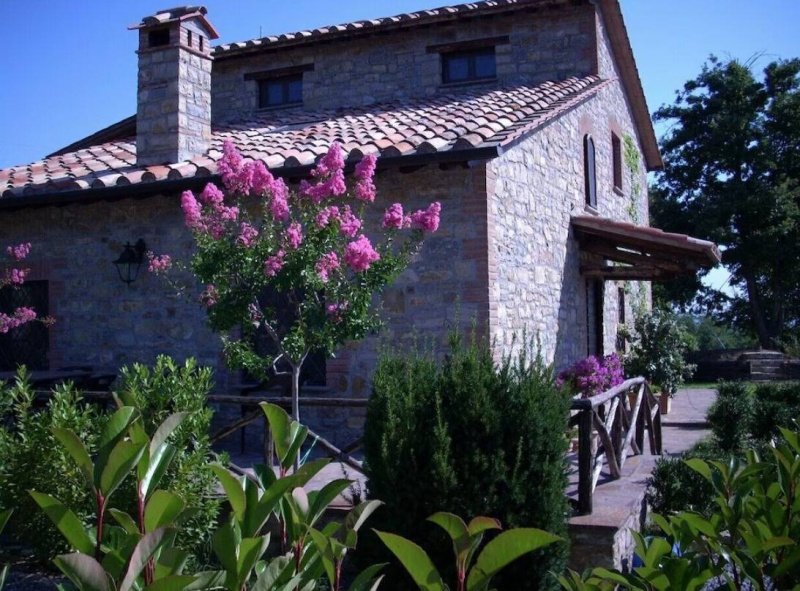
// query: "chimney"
[[173, 113]]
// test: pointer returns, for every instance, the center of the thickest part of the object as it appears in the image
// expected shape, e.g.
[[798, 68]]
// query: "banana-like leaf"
[[77, 450], [288, 435], [250, 551], [503, 549], [257, 514], [66, 521], [146, 547], [171, 583], [415, 560], [206, 580], [161, 510], [122, 458], [481, 524], [308, 470], [116, 426], [278, 572], [326, 553], [233, 490], [170, 561], [84, 572], [225, 542]]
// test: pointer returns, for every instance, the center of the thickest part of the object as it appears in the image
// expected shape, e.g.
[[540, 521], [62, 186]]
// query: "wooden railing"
[[610, 426], [256, 414]]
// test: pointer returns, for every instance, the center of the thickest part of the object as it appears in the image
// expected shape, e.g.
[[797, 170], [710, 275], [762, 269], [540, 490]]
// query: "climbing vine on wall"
[[633, 163]]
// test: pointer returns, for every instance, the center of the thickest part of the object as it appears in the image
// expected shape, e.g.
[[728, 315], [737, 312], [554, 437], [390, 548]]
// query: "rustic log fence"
[[247, 402], [610, 426]]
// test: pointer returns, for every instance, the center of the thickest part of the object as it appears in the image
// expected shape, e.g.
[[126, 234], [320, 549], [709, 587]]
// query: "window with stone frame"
[[29, 344], [594, 317], [616, 155], [471, 65], [282, 91], [589, 171]]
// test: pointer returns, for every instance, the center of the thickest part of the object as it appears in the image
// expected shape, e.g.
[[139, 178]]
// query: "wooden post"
[[585, 461]]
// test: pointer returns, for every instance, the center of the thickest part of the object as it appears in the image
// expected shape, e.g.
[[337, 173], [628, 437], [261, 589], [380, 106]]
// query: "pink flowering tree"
[[308, 248], [13, 277]]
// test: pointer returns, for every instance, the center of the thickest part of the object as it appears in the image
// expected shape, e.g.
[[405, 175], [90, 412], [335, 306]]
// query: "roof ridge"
[[415, 18]]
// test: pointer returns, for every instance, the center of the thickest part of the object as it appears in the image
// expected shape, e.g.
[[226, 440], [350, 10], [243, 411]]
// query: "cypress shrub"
[[730, 416], [472, 437], [774, 406]]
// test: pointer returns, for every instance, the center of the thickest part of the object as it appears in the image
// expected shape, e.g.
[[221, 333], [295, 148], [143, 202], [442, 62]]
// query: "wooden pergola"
[[613, 250]]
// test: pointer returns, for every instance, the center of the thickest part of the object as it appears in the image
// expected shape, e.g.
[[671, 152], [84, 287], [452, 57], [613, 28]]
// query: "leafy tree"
[[732, 175]]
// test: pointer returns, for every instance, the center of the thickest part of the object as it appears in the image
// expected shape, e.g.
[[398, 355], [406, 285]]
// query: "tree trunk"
[[759, 322]]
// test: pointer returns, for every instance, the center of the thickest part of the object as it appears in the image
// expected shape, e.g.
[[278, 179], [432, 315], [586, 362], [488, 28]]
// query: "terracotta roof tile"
[[478, 118]]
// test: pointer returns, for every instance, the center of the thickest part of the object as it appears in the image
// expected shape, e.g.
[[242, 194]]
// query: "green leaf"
[[233, 490], [503, 549], [452, 524], [415, 560], [84, 571], [279, 424], [700, 467], [360, 513], [208, 579], [4, 517], [250, 551], [308, 470], [66, 521], [171, 583], [77, 450], [323, 545], [319, 500], [157, 465], [170, 561], [162, 509], [165, 429], [125, 520], [121, 460], [225, 543], [481, 524], [116, 426], [144, 549], [365, 581]]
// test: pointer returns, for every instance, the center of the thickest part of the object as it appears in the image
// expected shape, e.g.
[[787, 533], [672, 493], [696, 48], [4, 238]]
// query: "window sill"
[[618, 191], [279, 107], [592, 209], [449, 85]]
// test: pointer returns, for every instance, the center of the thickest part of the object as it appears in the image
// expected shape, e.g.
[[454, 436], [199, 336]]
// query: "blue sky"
[[69, 68]]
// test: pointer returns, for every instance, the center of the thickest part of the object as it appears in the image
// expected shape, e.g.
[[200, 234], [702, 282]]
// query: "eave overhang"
[[613, 250]]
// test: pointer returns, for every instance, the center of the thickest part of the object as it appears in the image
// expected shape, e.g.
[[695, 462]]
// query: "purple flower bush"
[[591, 376]]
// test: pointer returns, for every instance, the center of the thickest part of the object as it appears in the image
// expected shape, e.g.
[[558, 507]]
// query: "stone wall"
[[99, 320], [546, 44], [536, 187]]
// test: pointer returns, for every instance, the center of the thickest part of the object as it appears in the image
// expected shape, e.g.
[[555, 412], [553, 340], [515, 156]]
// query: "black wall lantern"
[[130, 260]]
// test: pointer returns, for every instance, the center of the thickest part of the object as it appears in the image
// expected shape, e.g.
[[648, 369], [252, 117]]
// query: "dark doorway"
[[594, 317]]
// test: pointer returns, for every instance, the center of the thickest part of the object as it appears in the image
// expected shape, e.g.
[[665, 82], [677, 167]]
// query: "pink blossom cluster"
[[20, 251], [335, 311], [15, 276], [364, 173], [18, 318], [394, 218], [159, 264], [294, 235], [427, 220], [274, 264], [212, 222], [210, 296], [326, 215], [330, 172], [349, 224], [360, 254], [247, 235], [592, 376], [325, 265]]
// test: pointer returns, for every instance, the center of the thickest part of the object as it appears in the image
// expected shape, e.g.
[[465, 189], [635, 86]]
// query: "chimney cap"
[[178, 14]]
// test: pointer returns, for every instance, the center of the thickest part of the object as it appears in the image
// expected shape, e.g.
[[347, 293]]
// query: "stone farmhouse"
[[526, 119]]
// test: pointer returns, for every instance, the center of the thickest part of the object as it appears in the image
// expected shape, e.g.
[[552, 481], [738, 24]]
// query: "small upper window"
[[469, 66], [616, 151], [589, 171], [278, 92], [158, 37]]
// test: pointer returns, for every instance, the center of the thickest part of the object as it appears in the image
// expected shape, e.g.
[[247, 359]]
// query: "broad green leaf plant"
[[472, 573]]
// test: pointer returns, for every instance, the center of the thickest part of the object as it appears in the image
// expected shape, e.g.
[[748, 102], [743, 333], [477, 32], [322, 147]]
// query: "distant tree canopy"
[[732, 175]]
